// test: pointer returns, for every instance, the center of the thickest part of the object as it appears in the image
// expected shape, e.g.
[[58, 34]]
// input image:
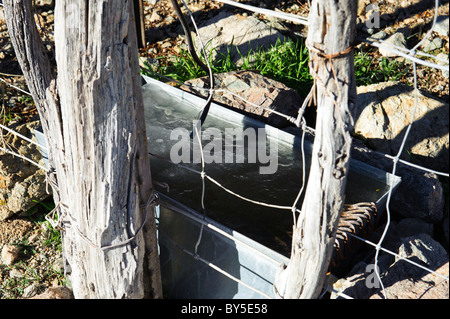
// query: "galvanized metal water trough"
[[244, 243], [233, 248]]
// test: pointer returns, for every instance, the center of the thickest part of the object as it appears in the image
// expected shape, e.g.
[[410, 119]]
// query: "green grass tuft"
[[286, 61]]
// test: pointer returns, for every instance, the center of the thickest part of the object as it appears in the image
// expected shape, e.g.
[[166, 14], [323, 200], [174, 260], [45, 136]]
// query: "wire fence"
[[412, 55], [408, 54]]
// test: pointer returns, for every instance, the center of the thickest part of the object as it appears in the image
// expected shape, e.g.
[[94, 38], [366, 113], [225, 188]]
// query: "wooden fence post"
[[92, 116], [331, 35]]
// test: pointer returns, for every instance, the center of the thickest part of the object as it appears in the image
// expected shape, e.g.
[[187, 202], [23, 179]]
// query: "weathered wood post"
[[331, 34], [92, 116]]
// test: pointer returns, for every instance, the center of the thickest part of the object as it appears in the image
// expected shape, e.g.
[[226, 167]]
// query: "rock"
[[432, 44], [443, 60], [60, 292], [33, 238], [149, 63], [427, 189], [15, 273], [17, 196], [256, 89], [45, 2], [413, 226], [419, 195], [357, 285], [383, 114], [46, 229], [30, 291], [166, 45], [244, 33], [379, 35], [370, 31], [406, 281], [155, 17], [401, 279], [58, 265], [442, 25], [10, 254], [397, 39], [404, 228], [21, 183]]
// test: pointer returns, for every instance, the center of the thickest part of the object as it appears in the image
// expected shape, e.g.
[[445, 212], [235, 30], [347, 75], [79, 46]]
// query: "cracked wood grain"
[[92, 115]]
